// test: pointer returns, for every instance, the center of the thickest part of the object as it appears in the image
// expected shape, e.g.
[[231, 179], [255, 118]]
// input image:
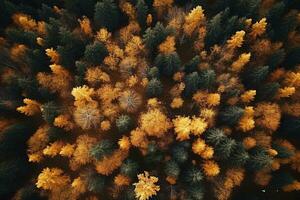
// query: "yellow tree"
[[52, 179], [182, 127], [32, 107], [236, 40], [168, 46], [193, 20], [238, 65], [146, 186]]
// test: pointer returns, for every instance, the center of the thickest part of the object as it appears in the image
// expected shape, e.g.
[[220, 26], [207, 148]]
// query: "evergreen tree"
[[290, 126], [81, 8], [254, 76], [282, 152], [154, 88], [267, 91], [225, 148], [50, 110], [172, 169], [239, 156], [168, 64], [179, 154], [141, 12], [192, 176], [95, 182], [281, 179], [259, 158], [276, 59], [106, 15], [103, 148], [124, 123], [153, 72], [191, 84], [230, 115], [95, 53], [207, 79], [215, 136], [129, 168], [192, 65], [195, 192]]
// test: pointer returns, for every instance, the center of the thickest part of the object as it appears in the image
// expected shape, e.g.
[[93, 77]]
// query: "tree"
[[182, 127], [191, 84], [141, 12], [129, 168], [95, 182], [192, 65], [106, 15], [52, 179], [267, 91], [172, 169], [95, 53], [207, 79], [231, 115], [154, 88], [192, 176], [146, 186], [168, 64], [225, 148], [214, 136], [124, 123], [193, 20], [253, 77], [102, 149], [259, 158], [179, 154]]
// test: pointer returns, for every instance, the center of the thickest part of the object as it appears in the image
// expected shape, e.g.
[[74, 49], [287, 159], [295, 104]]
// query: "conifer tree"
[[141, 12], [154, 88], [103, 148], [106, 15], [168, 64]]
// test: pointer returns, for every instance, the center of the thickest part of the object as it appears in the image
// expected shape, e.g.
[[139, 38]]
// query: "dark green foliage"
[[239, 156], [281, 179], [214, 136], [54, 133], [191, 84], [168, 64], [155, 36], [141, 12], [207, 79], [259, 158], [124, 123], [95, 53], [13, 140], [21, 36], [172, 168], [267, 91], [37, 60], [225, 148], [52, 28], [102, 149], [153, 72], [129, 168], [106, 15], [276, 59], [154, 155], [29, 192], [292, 58], [282, 151], [46, 12], [276, 12], [50, 110], [12, 174], [95, 182], [192, 65], [230, 115], [192, 175], [195, 192], [179, 154], [254, 76], [214, 30], [6, 9], [248, 9], [154, 88], [80, 7], [290, 126]]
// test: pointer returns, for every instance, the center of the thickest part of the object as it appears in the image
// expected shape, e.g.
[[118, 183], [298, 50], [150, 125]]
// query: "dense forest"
[[150, 99]]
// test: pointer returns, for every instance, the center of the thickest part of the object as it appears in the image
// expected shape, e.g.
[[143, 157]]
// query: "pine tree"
[[106, 15], [168, 64], [225, 148], [154, 88], [153, 72], [95, 53], [230, 115], [267, 91], [259, 158], [141, 12], [124, 123], [207, 79], [129, 168], [192, 65], [192, 175], [191, 84], [172, 169], [102, 149], [95, 182], [240, 156], [215, 136], [50, 110], [179, 154]]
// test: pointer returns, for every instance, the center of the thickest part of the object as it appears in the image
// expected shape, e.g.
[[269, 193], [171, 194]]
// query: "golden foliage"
[[236, 40], [238, 65], [248, 96], [262, 177], [52, 179], [146, 186], [249, 142], [24, 21], [105, 125], [168, 46], [35, 157], [268, 115], [208, 153], [18, 51], [85, 25], [171, 180], [39, 139], [193, 20], [96, 75], [258, 28], [124, 143], [149, 19], [53, 55], [107, 165], [154, 123], [177, 102], [138, 138], [182, 127], [82, 93], [162, 3], [78, 185], [286, 92], [134, 46], [291, 109], [210, 168], [67, 150], [32, 107], [213, 99], [295, 186], [103, 35], [292, 79], [87, 116], [198, 126], [129, 9], [121, 180], [198, 146], [53, 149], [247, 122], [64, 121]]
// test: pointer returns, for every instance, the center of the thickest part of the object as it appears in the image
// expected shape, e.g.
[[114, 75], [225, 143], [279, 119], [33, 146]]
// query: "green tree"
[[267, 91], [230, 115], [253, 77], [191, 84], [95, 53], [154, 88], [124, 123], [168, 64], [192, 175], [179, 154], [172, 168], [141, 12], [101, 149], [259, 158], [207, 79], [192, 65], [129, 168], [214, 136], [106, 15]]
